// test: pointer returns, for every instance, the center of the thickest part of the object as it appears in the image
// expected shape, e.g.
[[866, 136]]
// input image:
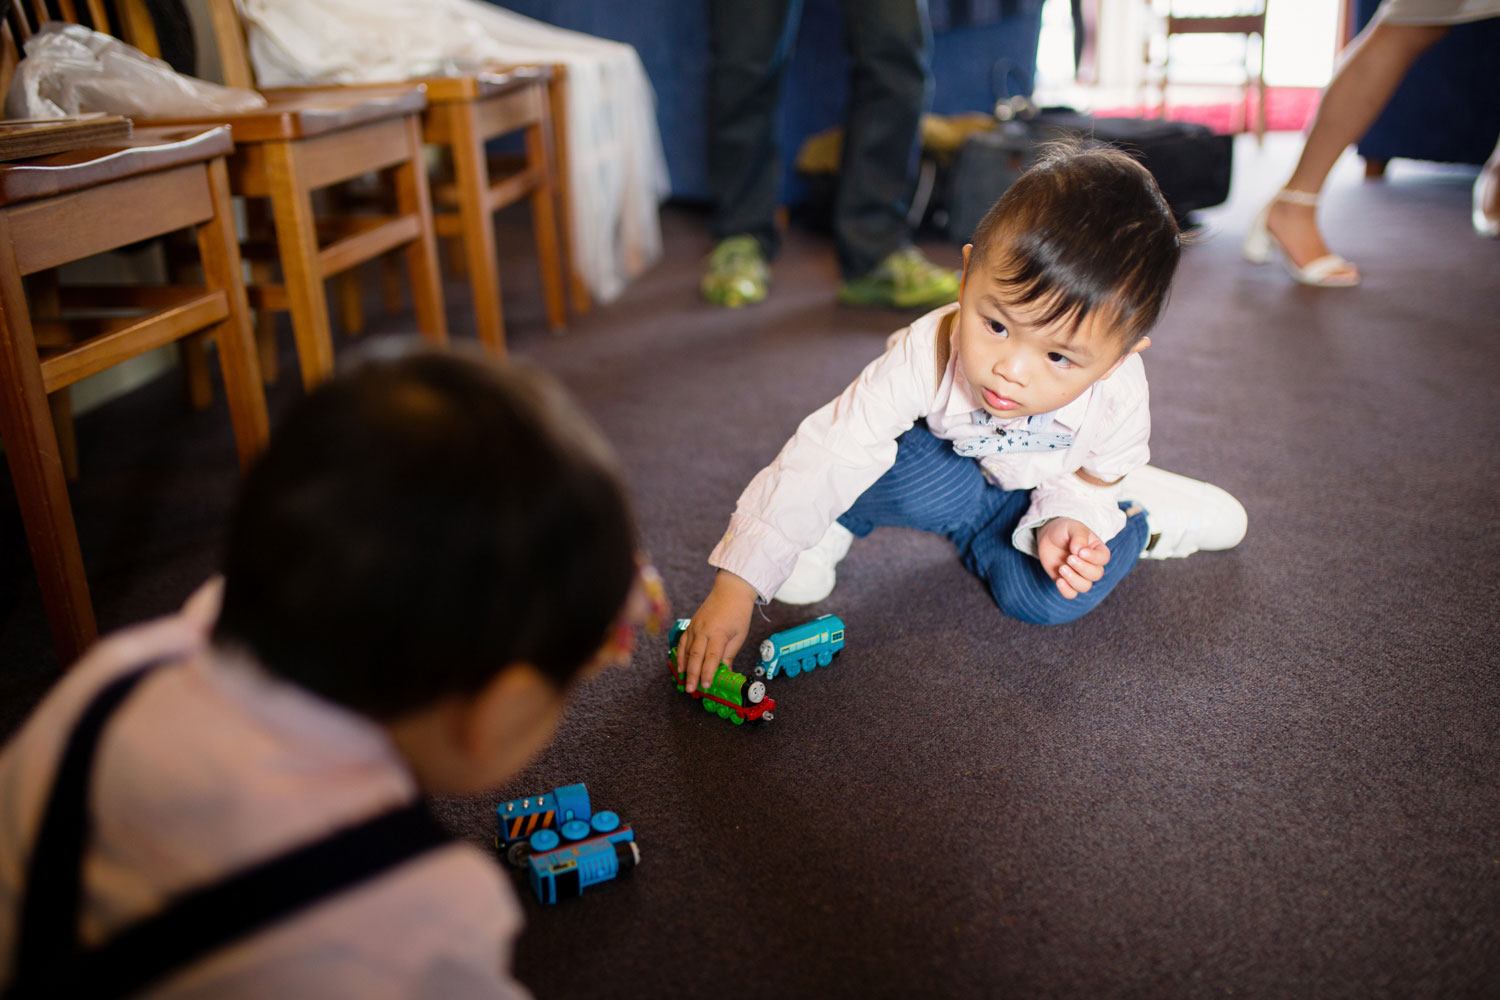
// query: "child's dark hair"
[[1084, 228], [417, 524]]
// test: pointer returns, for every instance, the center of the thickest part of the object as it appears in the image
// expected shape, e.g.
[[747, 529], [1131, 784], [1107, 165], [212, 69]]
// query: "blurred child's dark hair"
[[1085, 228], [420, 522]]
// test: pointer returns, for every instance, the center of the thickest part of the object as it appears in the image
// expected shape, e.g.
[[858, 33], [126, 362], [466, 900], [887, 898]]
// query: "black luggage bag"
[[1190, 162]]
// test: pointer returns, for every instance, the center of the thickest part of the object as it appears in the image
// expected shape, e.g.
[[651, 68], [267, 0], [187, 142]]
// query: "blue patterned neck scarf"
[[1034, 436]]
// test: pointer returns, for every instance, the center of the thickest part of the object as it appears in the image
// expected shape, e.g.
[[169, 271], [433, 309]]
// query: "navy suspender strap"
[[47, 938], [50, 960], [201, 921]]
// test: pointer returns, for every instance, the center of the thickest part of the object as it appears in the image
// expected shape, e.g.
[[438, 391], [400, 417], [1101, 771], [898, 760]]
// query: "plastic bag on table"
[[69, 69]]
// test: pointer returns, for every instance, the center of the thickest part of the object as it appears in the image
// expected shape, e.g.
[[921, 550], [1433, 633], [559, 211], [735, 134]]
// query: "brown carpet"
[[1273, 772]]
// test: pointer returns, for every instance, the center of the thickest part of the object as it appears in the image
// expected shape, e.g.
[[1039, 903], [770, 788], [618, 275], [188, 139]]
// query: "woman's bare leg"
[[1371, 70]]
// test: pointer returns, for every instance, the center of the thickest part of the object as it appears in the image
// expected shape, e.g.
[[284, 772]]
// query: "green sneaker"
[[737, 274], [906, 280]]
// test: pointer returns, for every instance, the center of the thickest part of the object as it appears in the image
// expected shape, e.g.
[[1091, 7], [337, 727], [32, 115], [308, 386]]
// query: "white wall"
[[1302, 40]]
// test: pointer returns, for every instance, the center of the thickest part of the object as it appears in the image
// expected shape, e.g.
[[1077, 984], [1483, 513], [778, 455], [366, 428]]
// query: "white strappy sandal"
[[1327, 271], [1484, 223]]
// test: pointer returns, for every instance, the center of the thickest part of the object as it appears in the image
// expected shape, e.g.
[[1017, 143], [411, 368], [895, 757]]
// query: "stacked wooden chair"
[[285, 153], [66, 207], [463, 114], [180, 172]]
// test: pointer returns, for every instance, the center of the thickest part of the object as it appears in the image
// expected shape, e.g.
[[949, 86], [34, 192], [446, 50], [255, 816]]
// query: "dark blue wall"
[[1448, 107], [672, 39]]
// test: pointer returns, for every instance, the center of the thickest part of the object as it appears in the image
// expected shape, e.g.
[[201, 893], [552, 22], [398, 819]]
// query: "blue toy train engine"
[[802, 647], [562, 843]]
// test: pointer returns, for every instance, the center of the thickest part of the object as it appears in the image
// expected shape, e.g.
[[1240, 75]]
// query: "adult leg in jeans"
[[749, 46], [890, 42], [930, 488]]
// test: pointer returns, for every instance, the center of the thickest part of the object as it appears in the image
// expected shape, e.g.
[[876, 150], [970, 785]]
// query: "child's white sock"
[[814, 575]]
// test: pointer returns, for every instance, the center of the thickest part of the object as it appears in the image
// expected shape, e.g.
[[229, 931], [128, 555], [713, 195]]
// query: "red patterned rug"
[[1288, 109]]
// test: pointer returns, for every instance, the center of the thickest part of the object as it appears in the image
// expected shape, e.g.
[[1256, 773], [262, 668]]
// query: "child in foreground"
[[1014, 423], [430, 553]]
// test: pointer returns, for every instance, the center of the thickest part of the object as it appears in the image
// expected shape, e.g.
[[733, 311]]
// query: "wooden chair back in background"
[[463, 114], [70, 206], [297, 145]]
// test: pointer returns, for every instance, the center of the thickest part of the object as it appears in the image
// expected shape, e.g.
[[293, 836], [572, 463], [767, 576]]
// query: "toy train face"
[[802, 647], [730, 695]]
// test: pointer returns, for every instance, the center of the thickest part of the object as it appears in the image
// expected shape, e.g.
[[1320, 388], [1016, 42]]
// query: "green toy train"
[[730, 695]]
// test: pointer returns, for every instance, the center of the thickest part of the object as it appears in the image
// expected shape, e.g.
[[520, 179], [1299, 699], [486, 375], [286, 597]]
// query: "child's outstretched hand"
[[1073, 556], [717, 630]]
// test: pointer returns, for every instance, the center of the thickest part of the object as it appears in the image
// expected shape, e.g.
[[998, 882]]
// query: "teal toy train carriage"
[[802, 647], [729, 695]]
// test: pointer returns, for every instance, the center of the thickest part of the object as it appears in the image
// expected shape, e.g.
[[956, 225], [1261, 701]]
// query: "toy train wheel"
[[517, 853], [710, 705], [825, 658], [791, 668], [737, 716]]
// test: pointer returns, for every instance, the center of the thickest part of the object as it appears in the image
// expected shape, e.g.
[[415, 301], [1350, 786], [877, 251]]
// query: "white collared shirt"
[[841, 449]]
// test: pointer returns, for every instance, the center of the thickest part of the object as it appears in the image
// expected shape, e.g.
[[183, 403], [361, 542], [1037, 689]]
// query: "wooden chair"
[[463, 114], [299, 144], [557, 99], [63, 208], [1244, 18]]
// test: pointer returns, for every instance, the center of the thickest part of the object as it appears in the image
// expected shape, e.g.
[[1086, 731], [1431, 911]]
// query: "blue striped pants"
[[931, 488]]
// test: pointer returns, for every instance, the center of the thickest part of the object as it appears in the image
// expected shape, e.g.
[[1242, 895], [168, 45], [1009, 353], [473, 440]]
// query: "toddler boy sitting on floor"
[[1014, 423]]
